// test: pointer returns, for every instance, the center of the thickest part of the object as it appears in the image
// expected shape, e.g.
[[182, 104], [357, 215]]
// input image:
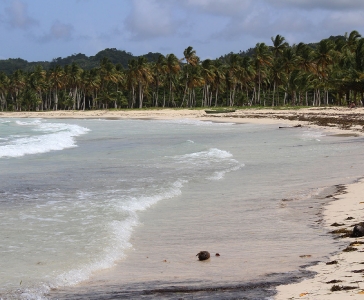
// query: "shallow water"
[[124, 206]]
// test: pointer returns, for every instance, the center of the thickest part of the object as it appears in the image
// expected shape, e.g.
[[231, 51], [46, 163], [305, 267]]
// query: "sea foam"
[[43, 137]]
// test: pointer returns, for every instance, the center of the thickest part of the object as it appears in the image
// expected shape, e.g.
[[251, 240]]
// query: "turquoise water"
[[81, 196]]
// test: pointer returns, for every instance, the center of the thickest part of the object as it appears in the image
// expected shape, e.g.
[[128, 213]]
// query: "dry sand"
[[349, 269]]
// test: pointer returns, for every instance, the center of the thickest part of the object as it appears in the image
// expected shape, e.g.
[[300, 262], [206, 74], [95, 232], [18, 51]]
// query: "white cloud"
[[220, 7], [332, 5], [339, 23], [58, 31], [17, 15], [150, 19]]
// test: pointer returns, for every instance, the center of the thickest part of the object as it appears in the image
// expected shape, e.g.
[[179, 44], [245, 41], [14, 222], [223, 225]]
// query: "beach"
[[347, 120], [345, 205]]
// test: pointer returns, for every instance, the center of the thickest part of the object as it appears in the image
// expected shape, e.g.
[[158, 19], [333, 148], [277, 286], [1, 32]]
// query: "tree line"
[[331, 73]]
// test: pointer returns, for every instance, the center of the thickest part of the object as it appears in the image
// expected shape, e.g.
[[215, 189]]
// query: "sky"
[[41, 30]]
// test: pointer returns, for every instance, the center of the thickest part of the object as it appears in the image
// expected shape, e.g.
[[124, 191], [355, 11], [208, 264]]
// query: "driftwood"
[[296, 126]]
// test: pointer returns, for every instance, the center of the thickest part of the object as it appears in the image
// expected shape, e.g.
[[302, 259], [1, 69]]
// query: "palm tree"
[[74, 76], [4, 86], [56, 76], [131, 81], [208, 74], [262, 58], [17, 83], [91, 84], [219, 78], [288, 64], [351, 41], [37, 81], [191, 61], [279, 45], [143, 77], [323, 59], [195, 80], [232, 77], [108, 77], [158, 71], [276, 73], [172, 69], [304, 58]]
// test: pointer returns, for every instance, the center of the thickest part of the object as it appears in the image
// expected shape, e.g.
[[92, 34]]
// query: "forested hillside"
[[9, 66], [330, 72]]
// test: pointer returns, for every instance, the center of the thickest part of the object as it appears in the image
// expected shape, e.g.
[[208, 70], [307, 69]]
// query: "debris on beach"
[[334, 262], [343, 231], [334, 281], [336, 288], [350, 249], [356, 243], [337, 224], [358, 271], [358, 230], [217, 254], [203, 255]]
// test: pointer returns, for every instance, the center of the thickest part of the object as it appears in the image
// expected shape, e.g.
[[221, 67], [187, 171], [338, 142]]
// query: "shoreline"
[[339, 120], [341, 276], [349, 269]]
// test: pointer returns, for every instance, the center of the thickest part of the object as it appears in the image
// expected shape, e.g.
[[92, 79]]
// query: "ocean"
[[105, 209]]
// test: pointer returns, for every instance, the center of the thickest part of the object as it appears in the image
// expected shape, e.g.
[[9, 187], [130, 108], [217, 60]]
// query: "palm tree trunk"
[[274, 91], [216, 95]]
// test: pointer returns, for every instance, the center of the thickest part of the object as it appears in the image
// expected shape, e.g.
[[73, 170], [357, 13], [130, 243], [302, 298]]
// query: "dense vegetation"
[[330, 72], [9, 66]]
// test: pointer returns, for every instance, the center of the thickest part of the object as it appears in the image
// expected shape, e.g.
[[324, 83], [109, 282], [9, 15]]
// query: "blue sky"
[[45, 29]]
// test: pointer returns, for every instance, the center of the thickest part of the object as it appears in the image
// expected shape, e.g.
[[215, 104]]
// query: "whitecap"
[[56, 136]]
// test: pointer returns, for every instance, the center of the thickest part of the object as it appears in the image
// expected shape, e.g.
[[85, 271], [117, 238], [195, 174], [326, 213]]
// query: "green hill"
[[9, 66]]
